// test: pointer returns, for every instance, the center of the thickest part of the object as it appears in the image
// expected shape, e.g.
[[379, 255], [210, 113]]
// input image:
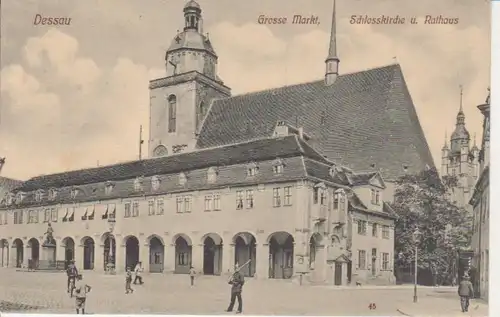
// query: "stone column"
[[78, 256], [262, 265], [228, 259], [169, 258], [197, 257], [13, 256], [99, 258], [145, 257], [26, 254], [120, 257], [60, 251]]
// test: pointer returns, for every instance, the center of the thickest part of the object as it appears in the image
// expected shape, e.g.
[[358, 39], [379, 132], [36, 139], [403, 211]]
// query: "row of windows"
[[362, 260], [212, 173], [362, 224]]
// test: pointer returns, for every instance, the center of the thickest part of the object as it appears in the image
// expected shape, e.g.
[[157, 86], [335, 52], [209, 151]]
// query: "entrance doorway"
[[156, 255], [69, 251], [212, 255], [131, 252], [281, 255], [338, 273], [374, 262], [88, 253], [19, 245], [35, 253]]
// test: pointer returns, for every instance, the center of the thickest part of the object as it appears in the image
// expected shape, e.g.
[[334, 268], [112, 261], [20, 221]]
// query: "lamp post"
[[415, 238], [110, 266]]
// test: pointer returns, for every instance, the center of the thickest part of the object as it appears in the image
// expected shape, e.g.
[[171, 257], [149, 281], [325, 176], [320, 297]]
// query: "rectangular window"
[[151, 207], [374, 230], [135, 209], [46, 215], [385, 232], [249, 196], [362, 227], [362, 259], [336, 197], [276, 197], [54, 214], [160, 208], [385, 261], [375, 196], [127, 210], [315, 195], [216, 201], [208, 202], [239, 199], [180, 204], [323, 197], [172, 113], [288, 196], [187, 203]]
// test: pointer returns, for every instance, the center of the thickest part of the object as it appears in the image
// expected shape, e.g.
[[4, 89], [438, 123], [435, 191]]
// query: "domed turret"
[[460, 137]]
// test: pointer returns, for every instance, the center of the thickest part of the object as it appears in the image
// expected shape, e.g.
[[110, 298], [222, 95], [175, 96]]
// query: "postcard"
[[280, 157]]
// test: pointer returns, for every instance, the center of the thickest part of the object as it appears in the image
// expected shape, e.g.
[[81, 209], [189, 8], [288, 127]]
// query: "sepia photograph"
[[279, 157]]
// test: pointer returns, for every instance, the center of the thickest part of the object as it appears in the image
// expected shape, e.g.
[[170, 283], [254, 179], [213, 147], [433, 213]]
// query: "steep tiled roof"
[[361, 178], [258, 150], [364, 118]]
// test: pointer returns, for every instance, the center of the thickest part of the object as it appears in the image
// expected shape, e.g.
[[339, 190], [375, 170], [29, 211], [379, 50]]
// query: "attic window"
[[182, 179], [339, 200], [332, 171], [39, 195], [74, 193], [52, 194], [278, 166], [108, 188], [372, 165], [212, 174], [155, 182], [405, 167], [19, 197], [10, 198], [252, 170], [138, 184]]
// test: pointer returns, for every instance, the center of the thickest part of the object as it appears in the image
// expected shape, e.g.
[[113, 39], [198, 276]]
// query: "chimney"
[[281, 129], [301, 132]]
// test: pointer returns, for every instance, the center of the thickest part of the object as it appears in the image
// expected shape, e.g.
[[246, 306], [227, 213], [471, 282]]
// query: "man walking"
[[72, 273], [465, 291], [137, 271], [81, 290], [237, 280]]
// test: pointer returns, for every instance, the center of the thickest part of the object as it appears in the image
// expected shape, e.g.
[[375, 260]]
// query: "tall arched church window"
[[172, 113]]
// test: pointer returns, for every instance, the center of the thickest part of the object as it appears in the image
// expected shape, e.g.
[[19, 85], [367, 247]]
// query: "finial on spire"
[[332, 61], [461, 98]]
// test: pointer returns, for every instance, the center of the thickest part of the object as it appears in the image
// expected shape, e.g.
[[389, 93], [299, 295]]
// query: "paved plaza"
[[172, 294]]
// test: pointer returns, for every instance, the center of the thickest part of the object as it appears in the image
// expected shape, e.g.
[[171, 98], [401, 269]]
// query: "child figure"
[[192, 274], [128, 281], [81, 290]]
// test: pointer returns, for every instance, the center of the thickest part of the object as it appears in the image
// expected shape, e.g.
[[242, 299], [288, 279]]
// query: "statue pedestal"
[[48, 257]]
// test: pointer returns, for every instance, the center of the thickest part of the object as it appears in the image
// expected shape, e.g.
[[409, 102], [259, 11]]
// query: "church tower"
[[179, 102], [332, 61], [460, 160]]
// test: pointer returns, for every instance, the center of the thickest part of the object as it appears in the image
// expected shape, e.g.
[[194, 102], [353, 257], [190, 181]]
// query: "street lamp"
[[110, 266], [416, 234]]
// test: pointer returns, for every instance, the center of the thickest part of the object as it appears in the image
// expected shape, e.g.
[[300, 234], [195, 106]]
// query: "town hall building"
[[291, 181]]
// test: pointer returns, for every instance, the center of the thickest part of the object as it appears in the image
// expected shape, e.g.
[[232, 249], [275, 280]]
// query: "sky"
[[75, 96]]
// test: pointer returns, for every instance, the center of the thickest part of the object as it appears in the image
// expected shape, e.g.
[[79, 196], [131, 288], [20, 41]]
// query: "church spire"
[[460, 136], [445, 145], [332, 61], [460, 115]]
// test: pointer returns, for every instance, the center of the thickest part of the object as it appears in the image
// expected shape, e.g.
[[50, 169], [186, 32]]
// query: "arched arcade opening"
[[18, 245], [69, 251], [212, 254], [281, 255], [109, 250], [34, 259], [88, 253], [245, 248], [4, 253], [183, 252], [156, 254], [131, 252]]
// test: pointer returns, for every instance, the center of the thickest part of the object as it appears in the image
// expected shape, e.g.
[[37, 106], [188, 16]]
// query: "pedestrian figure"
[[137, 271], [465, 291], [236, 281], [72, 273], [81, 290], [192, 274], [128, 281]]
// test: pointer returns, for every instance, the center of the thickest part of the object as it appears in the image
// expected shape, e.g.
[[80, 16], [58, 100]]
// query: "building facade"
[[481, 203], [284, 207]]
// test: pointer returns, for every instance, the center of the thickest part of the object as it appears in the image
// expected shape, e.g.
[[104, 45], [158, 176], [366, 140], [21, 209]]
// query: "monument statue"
[[49, 236]]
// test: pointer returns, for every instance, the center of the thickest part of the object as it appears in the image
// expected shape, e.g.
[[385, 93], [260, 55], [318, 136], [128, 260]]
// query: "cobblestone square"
[[172, 294]]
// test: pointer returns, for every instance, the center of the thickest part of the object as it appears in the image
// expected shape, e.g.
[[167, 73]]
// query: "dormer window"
[[39, 195], [138, 184], [252, 170], [108, 188], [182, 179], [278, 166], [375, 195], [319, 194], [212, 174], [74, 193], [52, 194], [333, 171], [19, 197], [155, 183], [10, 198]]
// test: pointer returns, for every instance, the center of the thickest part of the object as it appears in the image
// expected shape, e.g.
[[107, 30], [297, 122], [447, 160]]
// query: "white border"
[[494, 278]]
